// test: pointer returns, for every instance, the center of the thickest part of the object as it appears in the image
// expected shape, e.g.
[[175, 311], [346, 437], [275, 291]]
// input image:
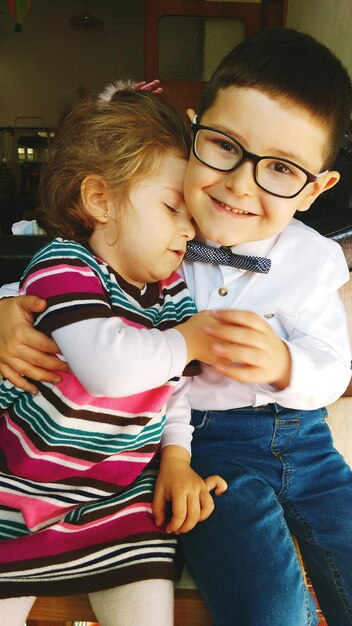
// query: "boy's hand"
[[187, 492], [24, 351], [254, 352]]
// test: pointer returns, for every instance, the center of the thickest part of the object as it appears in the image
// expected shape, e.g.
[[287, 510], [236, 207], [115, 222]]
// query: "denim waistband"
[[272, 409]]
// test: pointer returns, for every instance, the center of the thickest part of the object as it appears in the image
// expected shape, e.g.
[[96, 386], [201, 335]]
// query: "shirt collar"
[[252, 248]]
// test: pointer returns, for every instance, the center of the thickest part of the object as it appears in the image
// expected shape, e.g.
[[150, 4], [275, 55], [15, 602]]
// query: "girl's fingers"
[[216, 483]]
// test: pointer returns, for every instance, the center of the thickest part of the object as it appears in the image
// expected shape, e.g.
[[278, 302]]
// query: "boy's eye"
[[280, 167], [227, 146]]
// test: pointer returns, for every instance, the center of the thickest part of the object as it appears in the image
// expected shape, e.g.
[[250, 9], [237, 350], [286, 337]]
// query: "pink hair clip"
[[153, 86]]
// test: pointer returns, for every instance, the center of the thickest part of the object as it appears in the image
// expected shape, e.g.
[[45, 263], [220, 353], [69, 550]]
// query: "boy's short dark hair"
[[290, 64]]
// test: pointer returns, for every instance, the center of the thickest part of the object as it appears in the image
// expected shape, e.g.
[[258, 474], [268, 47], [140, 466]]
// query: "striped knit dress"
[[77, 472]]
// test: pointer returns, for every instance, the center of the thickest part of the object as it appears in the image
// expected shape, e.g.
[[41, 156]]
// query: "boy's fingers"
[[191, 517], [43, 361], [31, 304], [36, 340], [17, 380], [247, 319]]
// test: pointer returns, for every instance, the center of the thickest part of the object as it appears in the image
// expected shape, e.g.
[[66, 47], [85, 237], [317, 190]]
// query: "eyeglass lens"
[[276, 176]]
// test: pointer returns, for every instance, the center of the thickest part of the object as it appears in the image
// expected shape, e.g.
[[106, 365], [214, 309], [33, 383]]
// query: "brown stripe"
[[90, 583], [70, 451]]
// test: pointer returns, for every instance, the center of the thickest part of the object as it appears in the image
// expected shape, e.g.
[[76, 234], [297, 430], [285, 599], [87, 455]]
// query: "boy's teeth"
[[237, 211]]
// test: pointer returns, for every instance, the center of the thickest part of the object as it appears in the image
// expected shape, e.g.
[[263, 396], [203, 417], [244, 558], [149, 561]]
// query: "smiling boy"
[[267, 131]]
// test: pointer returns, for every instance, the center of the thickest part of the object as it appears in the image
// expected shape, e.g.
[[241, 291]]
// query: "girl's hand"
[[253, 351], [25, 351], [199, 343], [188, 494]]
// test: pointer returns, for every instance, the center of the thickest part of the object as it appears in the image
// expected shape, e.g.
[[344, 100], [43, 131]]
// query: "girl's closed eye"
[[171, 208]]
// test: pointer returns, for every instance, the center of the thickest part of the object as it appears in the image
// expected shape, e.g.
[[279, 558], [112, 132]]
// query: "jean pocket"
[[199, 419]]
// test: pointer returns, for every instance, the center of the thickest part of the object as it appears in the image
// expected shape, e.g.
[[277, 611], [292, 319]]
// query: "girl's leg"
[[144, 603], [14, 611]]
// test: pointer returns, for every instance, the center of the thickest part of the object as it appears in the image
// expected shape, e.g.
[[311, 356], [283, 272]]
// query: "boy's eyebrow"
[[285, 154], [291, 156]]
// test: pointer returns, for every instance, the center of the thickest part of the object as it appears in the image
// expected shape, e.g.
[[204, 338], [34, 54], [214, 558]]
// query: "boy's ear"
[[329, 180], [191, 114], [94, 195]]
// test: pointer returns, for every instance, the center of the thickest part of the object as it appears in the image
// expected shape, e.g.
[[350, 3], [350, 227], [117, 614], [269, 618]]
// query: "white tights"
[[144, 603]]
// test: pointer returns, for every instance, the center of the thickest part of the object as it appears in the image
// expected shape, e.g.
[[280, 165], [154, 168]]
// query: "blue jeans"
[[284, 476]]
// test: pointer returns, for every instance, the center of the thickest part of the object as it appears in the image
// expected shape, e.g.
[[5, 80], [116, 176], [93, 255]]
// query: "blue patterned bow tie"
[[197, 251]]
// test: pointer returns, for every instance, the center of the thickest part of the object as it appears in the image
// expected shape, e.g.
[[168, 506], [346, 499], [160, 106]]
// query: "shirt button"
[[222, 291]]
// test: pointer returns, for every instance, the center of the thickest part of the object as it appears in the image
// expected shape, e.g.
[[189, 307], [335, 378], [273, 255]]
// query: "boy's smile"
[[229, 207]]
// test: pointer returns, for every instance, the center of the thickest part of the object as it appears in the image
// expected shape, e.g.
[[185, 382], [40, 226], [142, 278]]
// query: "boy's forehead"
[[269, 123]]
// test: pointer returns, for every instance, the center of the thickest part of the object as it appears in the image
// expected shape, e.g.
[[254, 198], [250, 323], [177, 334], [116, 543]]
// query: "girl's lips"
[[179, 253]]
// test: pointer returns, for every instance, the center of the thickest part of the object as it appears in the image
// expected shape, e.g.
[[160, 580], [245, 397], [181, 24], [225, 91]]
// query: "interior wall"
[[329, 22], [42, 67]]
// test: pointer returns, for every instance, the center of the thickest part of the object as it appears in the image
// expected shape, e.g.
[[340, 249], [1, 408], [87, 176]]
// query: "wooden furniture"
[[184, 92], [190, 610]]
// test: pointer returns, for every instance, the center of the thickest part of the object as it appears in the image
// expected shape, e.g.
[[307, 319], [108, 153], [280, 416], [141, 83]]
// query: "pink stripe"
[[22, 464], [50, 542], [130, 323], [139, 403], [68, 280], [34, 511], [174, 278], [115, 469]]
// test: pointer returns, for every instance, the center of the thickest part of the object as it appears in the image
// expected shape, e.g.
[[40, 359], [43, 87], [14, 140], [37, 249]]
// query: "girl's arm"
[[179, 488], [147, 358], [112, 359]]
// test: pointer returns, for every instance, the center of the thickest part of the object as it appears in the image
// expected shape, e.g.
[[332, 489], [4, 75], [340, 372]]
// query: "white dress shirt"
[[299, 299]]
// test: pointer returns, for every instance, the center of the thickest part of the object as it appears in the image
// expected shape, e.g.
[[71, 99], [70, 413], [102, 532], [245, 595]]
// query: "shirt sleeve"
[[108, 356], [178, 429], [112, 359], [319, 346], [10, 290]]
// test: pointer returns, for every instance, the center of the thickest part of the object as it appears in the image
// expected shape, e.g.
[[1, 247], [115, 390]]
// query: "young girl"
[[78, 458]]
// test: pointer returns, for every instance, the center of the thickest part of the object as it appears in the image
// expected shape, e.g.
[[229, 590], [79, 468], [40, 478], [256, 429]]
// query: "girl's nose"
[[187, 228]]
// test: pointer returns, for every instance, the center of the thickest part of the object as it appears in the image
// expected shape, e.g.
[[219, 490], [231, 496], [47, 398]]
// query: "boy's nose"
[[241, 179]]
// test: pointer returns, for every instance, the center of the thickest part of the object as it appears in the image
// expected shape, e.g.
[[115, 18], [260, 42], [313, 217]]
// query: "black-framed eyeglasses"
[[220, 151]]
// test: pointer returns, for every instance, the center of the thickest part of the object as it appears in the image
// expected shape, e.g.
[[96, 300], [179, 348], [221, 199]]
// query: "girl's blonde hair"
[[122, 140]]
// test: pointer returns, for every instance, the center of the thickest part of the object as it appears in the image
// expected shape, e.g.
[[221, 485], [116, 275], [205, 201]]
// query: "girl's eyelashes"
[[171, 209]]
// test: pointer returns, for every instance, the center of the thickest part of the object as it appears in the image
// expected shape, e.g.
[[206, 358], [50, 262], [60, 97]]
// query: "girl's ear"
[[95, 195]]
